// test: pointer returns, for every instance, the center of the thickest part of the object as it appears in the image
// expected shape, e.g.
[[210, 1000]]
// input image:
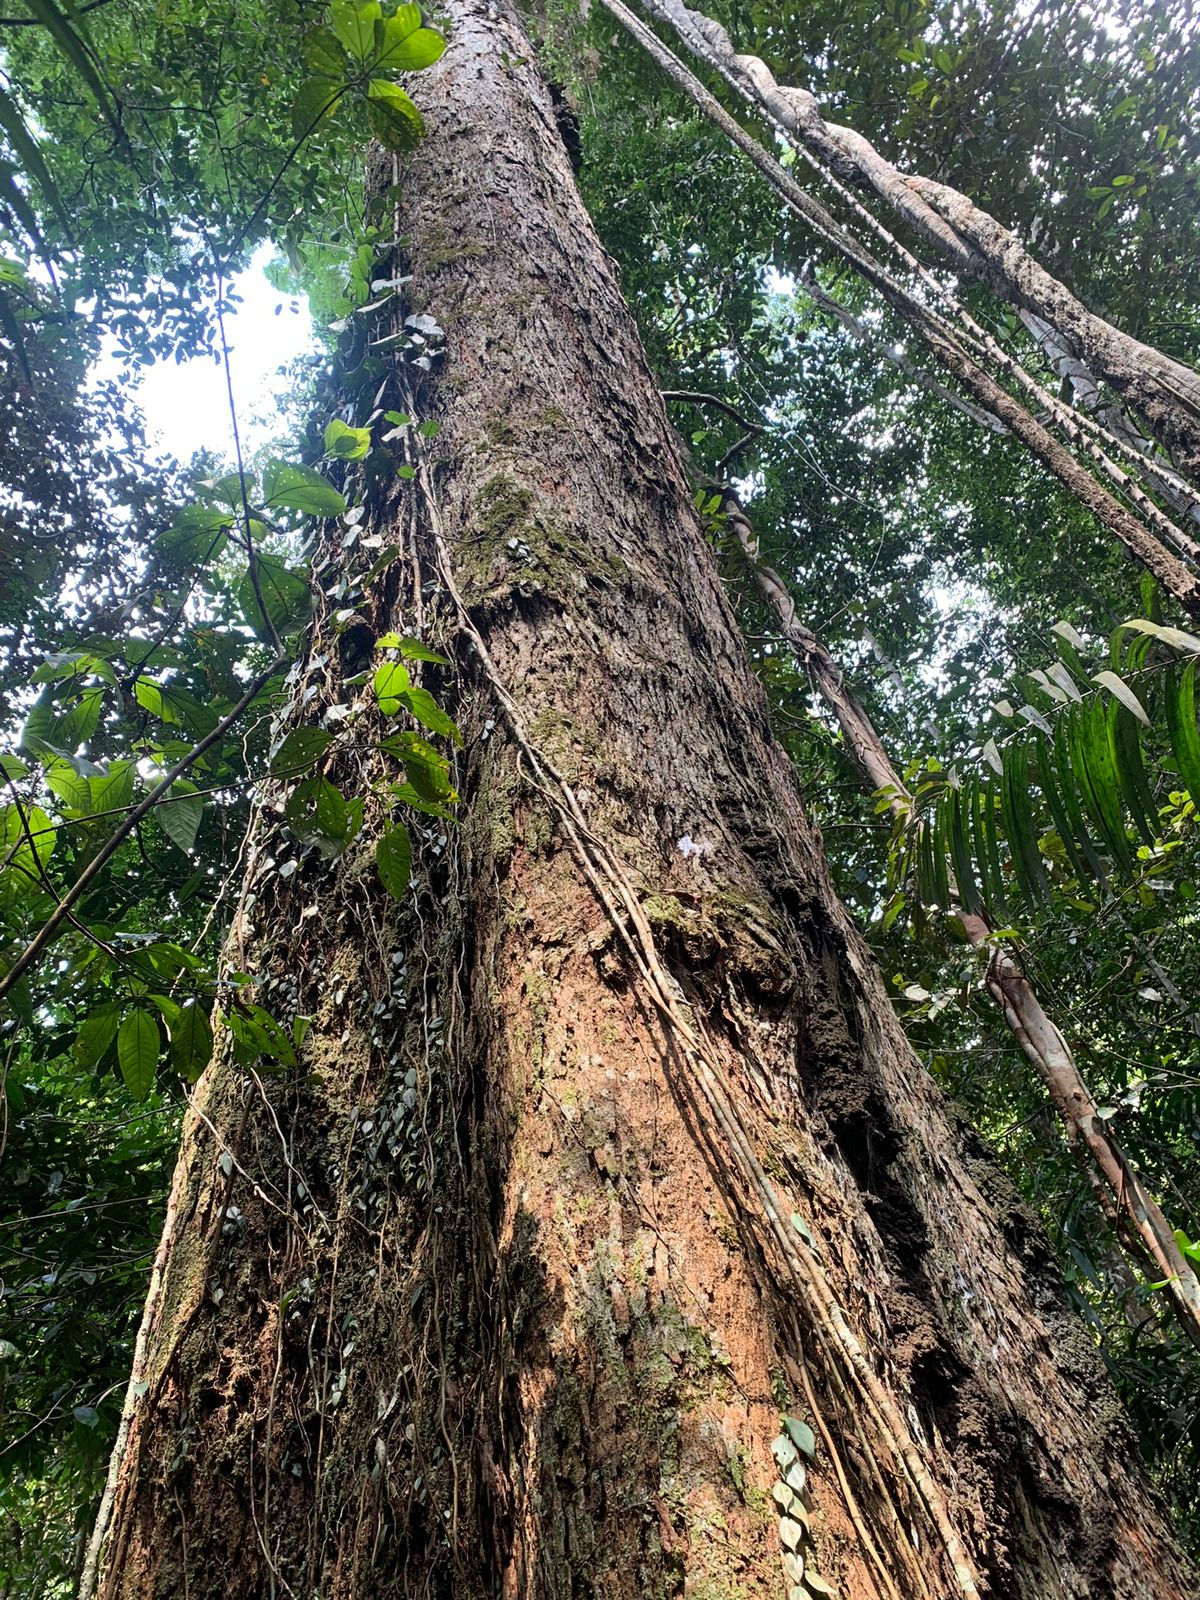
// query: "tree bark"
[[606, 1147]]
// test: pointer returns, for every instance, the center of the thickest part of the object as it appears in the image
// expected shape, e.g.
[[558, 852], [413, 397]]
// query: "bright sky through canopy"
[[186, 404]]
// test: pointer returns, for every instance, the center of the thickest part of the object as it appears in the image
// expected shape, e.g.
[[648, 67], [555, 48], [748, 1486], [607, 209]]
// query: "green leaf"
[[324, 55], [149, 695], [302, 748], [191, 1041], [344, 443], [1092, 760], [390, 683], [112, 790], [1181, 725], [1131, 773], [315, 99], [29, 154], [1019, 829], [1118, 687], [300, 488], [403, 45], [18, 826], [410, 647], [426, 710], [393, 858], [1067, 790], [354, 25], [197, 536], [96, 1033], [285, 594], [801, 1436], [410, 797], [138, 1044], [428, 772], [392, 116], [181, 818], [73, 42], [316, 813], [958, 802]]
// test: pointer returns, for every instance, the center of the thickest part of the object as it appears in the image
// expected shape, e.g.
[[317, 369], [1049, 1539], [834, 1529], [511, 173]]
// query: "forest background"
[[969, 599]]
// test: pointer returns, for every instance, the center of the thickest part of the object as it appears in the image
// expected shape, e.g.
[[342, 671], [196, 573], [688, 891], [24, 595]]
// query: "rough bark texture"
[[511, 1301]]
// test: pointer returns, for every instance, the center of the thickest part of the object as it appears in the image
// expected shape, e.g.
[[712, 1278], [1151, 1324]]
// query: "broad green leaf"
[[324, 54], [73, 790], [227, 491], [256, 1034], [393, 858], [354, 25], [410, 797], [13, 767], [27, 840], [428, 772], [302, 748], [197, 536], [181, 817], [96, 1033], [112, 790], [300, 488], [344, 443], [393, 118], [390, 682], [191, 1041], [801, 1436], [316, 814], [315, 99], [149, 695], [410, 647], [138, 1044], [403, 45], [285, 595], [427, 712]]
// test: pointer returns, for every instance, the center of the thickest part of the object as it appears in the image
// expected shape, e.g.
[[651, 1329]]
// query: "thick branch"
[[980, 385], [1163, 391]]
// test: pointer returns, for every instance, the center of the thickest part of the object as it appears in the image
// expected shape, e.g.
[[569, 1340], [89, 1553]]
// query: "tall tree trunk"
[[606, 1148]]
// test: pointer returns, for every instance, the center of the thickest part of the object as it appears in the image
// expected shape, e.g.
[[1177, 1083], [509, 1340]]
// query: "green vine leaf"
[[343, 443], [393, 858], [302, 748], [392, 115], [138, 1044]]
